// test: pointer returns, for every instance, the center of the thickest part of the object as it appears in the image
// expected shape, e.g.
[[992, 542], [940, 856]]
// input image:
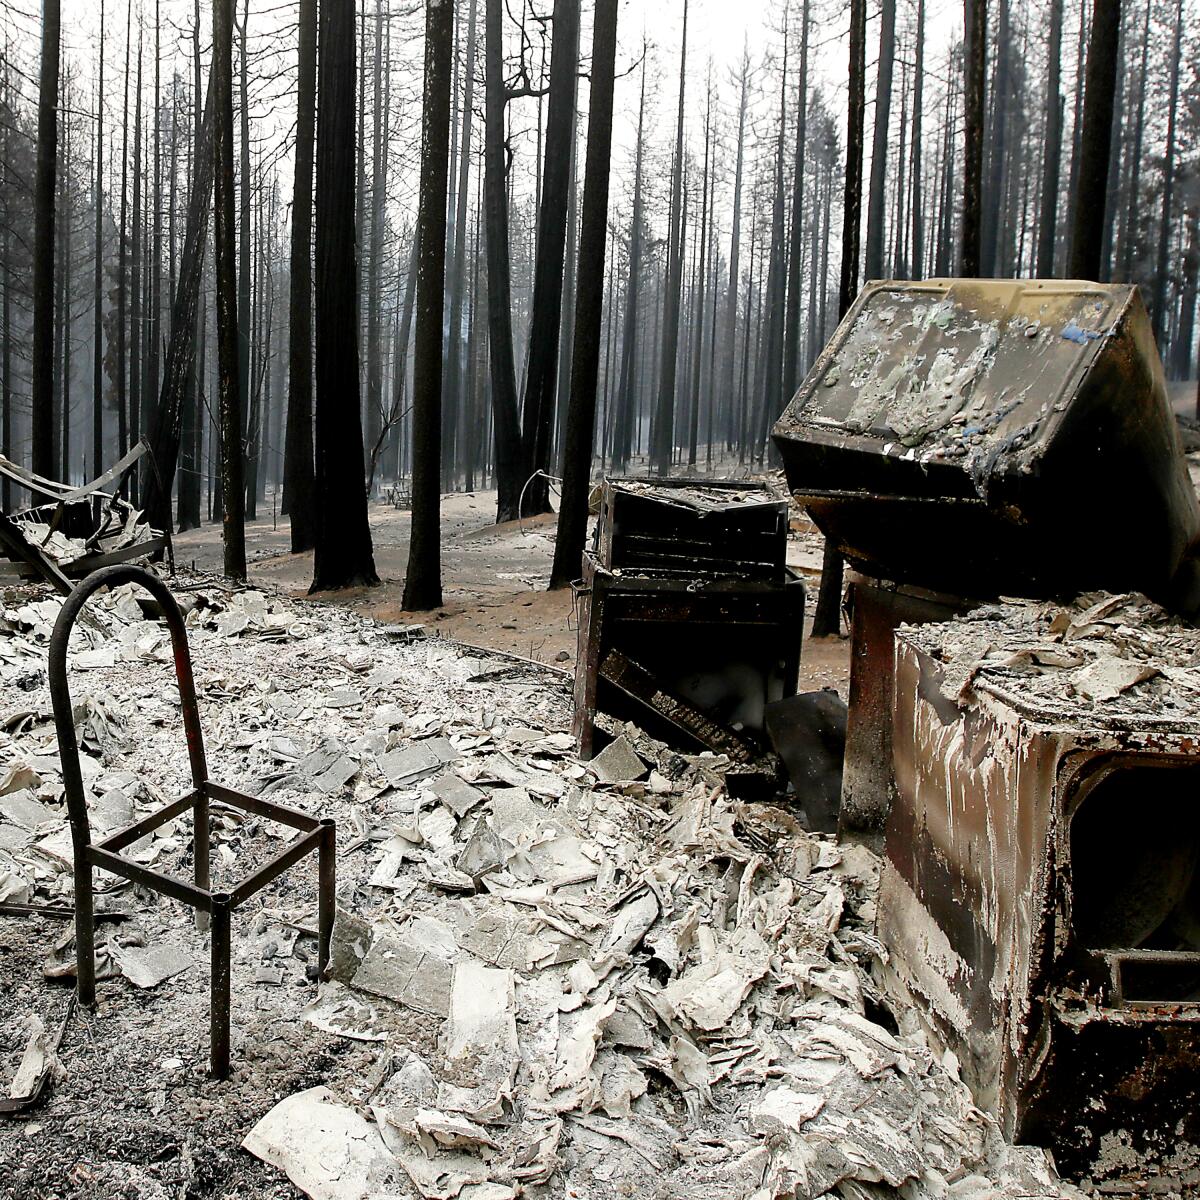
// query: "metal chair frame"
[[317, 834]]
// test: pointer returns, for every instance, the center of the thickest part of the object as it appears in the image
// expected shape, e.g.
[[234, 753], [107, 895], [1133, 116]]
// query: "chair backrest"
[[60, 694]]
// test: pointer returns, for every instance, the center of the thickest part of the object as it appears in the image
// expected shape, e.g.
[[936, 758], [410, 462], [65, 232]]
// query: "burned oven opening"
[[1135, 882]]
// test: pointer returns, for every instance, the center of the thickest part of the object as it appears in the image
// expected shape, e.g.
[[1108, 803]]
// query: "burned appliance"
[[958, 440], [689, 620], [1040, 895]]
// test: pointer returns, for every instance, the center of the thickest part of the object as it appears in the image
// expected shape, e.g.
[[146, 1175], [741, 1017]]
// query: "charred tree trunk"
[[343, 553], [42, 387], [454, 396], [1158, 314], [877, 192], [918, 162], [698, 291], [374, 265], [298, 479], [192, 425], [167, 427], [1087, 225], [735, 246], [993, 200], [1052, 151], [423, 582], [245, 257], [664, 420], [974, 72], [136, 416], [589, 304], [98, 274], [623, 415], [229, 377], [499, 287], [791, 345], [541, 373]]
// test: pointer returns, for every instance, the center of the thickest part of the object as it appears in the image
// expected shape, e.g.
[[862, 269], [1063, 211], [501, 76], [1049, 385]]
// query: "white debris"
[[340, 1011], [148, 966], [326, 1149], [481, 1042], [638, 987]]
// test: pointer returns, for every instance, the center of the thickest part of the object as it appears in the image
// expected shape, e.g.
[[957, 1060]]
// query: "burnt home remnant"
[[959, 441], [1040, 897], [689, 619]]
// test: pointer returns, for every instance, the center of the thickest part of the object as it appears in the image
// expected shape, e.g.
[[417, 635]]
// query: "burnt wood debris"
[[599, 599]]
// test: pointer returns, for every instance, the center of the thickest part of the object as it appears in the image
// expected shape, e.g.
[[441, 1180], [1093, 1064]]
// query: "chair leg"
[[85, 933], [327, 892], [200, 851], [219, 996]]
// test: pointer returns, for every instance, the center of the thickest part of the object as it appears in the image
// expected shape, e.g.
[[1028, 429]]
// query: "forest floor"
[[494, 580]]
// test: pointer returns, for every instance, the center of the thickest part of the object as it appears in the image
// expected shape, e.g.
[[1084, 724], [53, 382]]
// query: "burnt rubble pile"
[[548, 976], [1107, 657]]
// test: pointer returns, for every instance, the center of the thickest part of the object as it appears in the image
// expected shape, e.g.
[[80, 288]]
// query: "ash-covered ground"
[[551, 978]]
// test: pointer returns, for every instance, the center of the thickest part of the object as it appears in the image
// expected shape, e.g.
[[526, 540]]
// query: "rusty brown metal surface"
[[965, 435], [1040, 901], [868, 781], [316, 835]]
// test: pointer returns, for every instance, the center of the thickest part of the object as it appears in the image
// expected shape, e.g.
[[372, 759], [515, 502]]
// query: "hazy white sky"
[[718, 31]]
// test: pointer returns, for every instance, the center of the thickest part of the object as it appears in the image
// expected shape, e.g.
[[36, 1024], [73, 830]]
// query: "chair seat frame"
[[213, 908]]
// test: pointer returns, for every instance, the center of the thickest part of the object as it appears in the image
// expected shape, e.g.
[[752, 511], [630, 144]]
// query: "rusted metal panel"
[[1040, 900], [877, 610], [974, 430]]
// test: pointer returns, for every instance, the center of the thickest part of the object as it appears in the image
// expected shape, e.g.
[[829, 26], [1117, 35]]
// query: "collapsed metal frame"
[[215, 907]]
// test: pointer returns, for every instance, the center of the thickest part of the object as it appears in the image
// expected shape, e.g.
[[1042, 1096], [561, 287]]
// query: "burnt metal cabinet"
[[997, 437], [690, 622], [1040, 901], [959, 440]]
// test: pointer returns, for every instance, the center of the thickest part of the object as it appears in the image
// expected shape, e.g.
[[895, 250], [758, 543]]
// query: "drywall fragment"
[[22, 809], [148, 966], [483, 853], [352, 938], [1106, 678], [325, 1148], [339, 1011], [784, 1108], [633, 921], [456, 793], [409, 764], [36, 1060], [399, 970], [708, 995], [481, 1043], [579, 1034], [328, 768], [618, 763]]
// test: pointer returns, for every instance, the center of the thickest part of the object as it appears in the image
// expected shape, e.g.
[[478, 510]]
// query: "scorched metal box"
[[997, 437], [1038, 861], [725, 647]]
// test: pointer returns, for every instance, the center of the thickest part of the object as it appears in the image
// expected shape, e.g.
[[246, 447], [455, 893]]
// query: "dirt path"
[[494, 577]]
